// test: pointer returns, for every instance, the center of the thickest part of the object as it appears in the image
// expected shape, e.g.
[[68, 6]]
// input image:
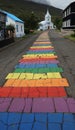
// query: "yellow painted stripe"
[[42, 47], [34, 76], [37, 55], [9, 76]]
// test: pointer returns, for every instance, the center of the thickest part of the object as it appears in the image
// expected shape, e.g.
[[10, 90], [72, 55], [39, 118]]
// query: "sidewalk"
[[33, 96]]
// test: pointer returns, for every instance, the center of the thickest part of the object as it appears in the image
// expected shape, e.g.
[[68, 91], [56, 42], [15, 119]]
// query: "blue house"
[[17, 23]]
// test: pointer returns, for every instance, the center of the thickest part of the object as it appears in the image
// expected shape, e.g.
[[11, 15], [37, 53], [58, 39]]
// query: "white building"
[[17, 23], [47, 23]]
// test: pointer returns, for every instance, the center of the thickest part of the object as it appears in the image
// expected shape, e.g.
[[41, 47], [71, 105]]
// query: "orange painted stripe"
[[38, 83]]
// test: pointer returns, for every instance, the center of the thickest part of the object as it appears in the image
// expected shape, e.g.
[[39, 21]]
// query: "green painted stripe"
[[29, 53], [38, 70]]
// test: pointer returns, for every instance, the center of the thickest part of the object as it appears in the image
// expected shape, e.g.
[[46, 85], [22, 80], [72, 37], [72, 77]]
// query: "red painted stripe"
[[32, 92], [37, 60]]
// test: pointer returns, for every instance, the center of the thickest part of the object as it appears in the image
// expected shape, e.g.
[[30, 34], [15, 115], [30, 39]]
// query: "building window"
[[65, 13], [68, 23], [21, 28], [69, 10], [6, 19], [17, 28]]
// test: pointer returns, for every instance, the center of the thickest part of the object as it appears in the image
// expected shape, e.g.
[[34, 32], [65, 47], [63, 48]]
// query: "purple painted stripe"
[[41, 62], [37, 105]]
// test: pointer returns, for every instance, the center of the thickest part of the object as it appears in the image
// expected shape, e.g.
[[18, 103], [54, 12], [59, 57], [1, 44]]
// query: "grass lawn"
[[71, 37]]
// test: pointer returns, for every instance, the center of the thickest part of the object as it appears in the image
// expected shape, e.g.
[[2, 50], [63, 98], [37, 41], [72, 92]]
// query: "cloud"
[[57, 3], [61, 4]]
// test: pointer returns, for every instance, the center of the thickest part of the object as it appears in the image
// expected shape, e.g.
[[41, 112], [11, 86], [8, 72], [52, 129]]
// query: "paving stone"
[[25, 92], [16, 83], [55, 117], [56, 92], [27, 118], [69, 117], [17, 105], [28, 105], [39, 126], [41, 117], [43, 105], [5, 92], [33, 92], [54, 126], [14, 118], [4, 104], [3, 118], [13, 127], [16, 92], [26, 126], [9, 82], [69, 126], [15, 76], [3, 126], [71, 104], [9, 76], [61, 105]]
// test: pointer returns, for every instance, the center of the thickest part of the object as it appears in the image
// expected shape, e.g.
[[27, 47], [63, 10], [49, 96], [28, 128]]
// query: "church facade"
[[47, 23]]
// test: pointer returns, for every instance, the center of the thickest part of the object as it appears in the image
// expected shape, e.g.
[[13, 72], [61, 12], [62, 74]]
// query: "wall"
[[20, 32]]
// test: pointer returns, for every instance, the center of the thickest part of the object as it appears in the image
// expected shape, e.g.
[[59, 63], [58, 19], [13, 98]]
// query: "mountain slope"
[[24, 7]]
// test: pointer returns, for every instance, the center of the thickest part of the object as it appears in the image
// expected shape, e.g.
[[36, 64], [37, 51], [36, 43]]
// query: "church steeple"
[[48, 16], [47, 12]]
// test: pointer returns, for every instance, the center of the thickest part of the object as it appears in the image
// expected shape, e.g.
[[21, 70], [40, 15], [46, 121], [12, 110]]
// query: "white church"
[[47, 23]]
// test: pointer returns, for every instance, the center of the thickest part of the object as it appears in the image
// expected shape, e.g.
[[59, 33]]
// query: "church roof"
[[42, 22]]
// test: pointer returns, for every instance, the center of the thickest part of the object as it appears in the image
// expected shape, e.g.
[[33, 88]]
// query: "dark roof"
[[69, 5]]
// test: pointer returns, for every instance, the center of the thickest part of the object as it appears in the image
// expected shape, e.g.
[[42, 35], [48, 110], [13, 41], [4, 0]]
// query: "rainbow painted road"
[[33, 96]]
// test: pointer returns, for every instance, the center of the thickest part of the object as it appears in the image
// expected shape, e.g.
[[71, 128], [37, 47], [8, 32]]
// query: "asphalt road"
[[65, 50], [11, 54]]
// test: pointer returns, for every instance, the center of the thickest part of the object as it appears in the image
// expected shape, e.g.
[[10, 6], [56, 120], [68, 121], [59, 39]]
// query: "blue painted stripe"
[[40, 51], [35, 65], [42, 44], [37, 121]]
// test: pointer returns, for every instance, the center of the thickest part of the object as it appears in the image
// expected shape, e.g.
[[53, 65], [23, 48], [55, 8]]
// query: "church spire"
[[47, 14], [47, 11]]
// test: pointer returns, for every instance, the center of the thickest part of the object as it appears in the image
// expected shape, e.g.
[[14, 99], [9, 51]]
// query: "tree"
[[10, 29], [31, 21], [58, 22]]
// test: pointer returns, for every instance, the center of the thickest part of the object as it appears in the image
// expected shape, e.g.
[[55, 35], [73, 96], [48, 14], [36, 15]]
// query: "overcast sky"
[[57, 3]]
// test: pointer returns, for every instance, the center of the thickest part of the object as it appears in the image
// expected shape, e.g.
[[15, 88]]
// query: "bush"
[[72, 35], [27, 31]]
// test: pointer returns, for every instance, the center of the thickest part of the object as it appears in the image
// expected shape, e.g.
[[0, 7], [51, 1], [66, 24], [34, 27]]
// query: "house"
[[2, 24], [16, 22], [47, 23], [69, 17]]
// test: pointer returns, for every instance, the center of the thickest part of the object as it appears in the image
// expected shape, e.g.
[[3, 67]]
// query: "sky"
[[62, 4]]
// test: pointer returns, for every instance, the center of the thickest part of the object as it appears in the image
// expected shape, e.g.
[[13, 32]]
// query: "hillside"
[[25, 7]]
